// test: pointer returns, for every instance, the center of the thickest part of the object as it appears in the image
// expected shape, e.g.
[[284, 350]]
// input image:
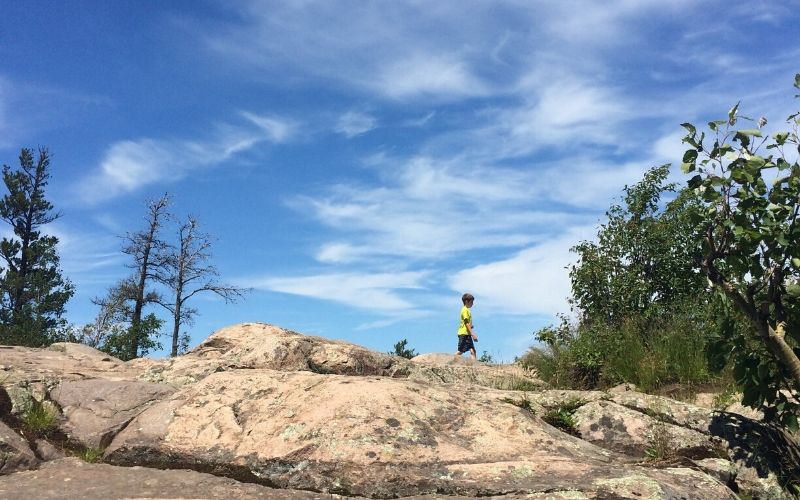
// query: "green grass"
[[39, 419], [91, 455]]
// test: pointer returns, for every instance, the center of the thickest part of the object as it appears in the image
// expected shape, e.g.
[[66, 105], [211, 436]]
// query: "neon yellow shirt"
[[466, 318]]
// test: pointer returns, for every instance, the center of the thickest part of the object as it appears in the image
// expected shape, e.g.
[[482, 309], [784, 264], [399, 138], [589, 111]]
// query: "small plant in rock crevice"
[[523, 403], [563, 416], [91, 455], [661, 446], [39, 419]]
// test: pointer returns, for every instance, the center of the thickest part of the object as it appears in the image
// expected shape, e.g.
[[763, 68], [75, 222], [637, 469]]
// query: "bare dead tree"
[[150, 254], [187, 272]]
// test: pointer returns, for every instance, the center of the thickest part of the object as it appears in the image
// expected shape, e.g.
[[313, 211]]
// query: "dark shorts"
[[465, 343]]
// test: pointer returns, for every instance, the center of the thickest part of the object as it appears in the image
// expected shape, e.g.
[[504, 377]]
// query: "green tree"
[[749, 183], [401, 349], [113, 330], [643, 311], [642, 261], [33, 292]]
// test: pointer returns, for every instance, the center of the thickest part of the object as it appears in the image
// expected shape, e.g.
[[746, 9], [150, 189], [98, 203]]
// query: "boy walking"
[[465, 331]]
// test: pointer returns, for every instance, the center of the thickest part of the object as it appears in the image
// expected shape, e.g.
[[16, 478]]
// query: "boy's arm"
[[471, 331]]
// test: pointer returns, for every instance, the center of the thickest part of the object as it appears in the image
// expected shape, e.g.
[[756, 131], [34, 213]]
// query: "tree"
[[750, 248], [113, 330], [187, 273], [401, 349], [641, 262], [149, 253], [486, 358], [33, 292], [644, 314]]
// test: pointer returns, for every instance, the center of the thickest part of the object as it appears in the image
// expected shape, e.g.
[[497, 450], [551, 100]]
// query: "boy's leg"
[[473, 353]]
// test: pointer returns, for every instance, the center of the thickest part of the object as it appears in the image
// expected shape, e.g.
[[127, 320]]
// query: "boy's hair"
[[466, 298]]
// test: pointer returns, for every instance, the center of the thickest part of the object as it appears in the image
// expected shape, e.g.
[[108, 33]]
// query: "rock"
[[446, 369], [633, 433], [721, 469], [47, 451], [258, 345], [96, 409], [623, 388], [378, 437], [262, 404], [62, 361], [73, 478], [765, 456], [15, 454]]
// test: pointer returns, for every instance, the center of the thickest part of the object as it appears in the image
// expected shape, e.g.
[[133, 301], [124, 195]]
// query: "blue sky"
[[362, 164]]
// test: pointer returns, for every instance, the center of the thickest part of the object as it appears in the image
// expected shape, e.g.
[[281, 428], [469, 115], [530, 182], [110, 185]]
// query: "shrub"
[[648, 352]]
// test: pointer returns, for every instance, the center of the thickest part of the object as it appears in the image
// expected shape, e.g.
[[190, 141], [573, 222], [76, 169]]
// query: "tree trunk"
[[782, 351], [176, 328]]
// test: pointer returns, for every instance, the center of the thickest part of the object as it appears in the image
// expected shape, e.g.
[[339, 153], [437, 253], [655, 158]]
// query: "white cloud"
[[131, 164], [354, 123], [534, 281], [374, 292], [87, 257], [278, 129], [430, 210], [425, 75]]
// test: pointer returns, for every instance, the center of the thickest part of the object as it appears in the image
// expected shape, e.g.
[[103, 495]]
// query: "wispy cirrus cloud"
[[377, 292], [131, 164], [353, 123], [434, 209]]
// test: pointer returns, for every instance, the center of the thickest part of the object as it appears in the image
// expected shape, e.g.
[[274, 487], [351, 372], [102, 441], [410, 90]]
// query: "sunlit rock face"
[[263, 411]]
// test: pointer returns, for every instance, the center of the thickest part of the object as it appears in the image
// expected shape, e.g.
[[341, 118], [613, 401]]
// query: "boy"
[[465, 331]]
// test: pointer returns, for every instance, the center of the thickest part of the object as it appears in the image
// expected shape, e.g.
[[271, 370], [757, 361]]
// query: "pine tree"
[[33, 292]]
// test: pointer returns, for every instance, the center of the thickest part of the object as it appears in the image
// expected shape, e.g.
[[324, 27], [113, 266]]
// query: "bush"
[[650, 353]]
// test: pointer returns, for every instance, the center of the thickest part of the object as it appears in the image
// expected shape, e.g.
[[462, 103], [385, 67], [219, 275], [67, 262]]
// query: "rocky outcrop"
[[255, 403], [74, 478], [15, 454], [95, 410]]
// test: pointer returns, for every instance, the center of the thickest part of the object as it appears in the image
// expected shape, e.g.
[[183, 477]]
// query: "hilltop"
[[257, 411]]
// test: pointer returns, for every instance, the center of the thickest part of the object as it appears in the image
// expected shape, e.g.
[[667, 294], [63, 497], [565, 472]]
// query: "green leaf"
[[780, 137], [732, 114], [796, 262], [749, 131], [687, 167], [756, 162], [691, 128], [790, 421]]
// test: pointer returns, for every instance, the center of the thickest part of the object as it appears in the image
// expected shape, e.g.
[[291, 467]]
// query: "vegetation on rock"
[[705, 284]]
